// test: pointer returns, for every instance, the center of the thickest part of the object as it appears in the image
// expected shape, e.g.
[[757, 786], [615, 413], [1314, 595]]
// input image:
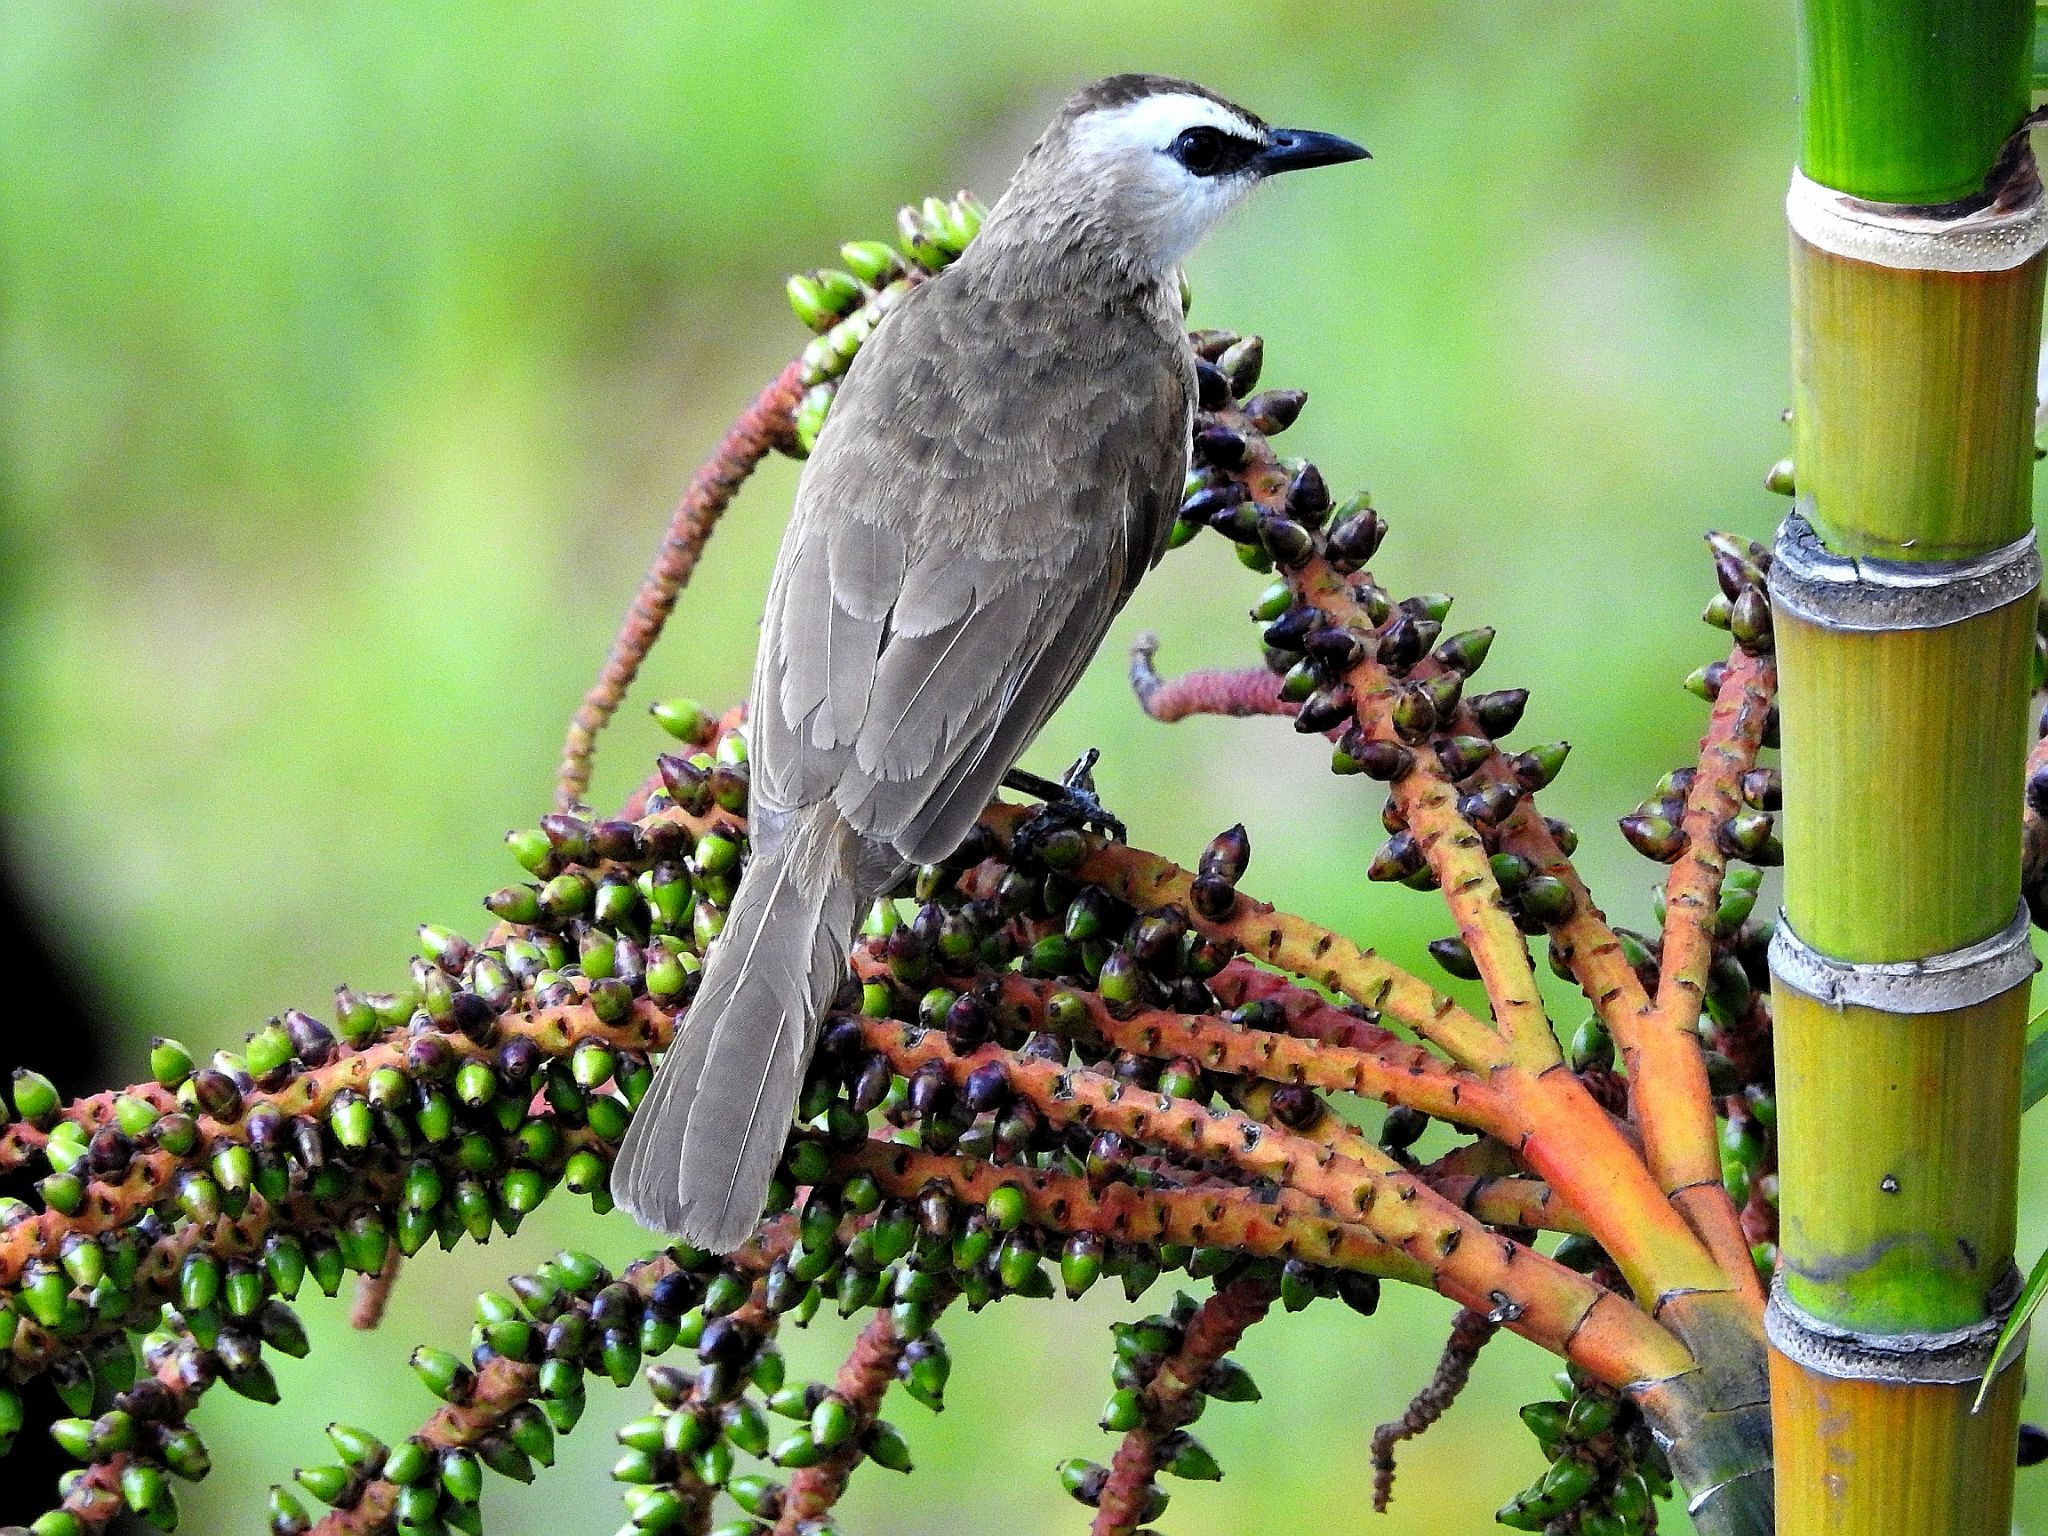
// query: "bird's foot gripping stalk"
[[1071, 801]]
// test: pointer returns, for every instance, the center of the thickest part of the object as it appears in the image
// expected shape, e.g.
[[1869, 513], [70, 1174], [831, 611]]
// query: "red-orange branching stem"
[[1304, 949], [1425, 795], [1565, 1137], [1428, 803], [1172, 1398], [1399, 1073], [1588, 945], [1235, 694], [1734, 736], [1561, 1133], [1537, 1298], [1212, 1213], [1498, 1196], [1667, 1073], [1308, 1014], [1510, 1201], [1569, 1142], [862, 1380], [763, 426], [1371, 1189]]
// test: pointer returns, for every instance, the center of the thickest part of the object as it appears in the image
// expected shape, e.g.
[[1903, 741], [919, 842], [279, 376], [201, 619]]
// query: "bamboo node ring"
[[1840, 592], [1996, 238], [1960, 978], [1956, 1357]]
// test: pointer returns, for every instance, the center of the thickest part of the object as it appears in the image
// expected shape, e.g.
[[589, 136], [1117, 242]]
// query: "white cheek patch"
[[1166, 209]]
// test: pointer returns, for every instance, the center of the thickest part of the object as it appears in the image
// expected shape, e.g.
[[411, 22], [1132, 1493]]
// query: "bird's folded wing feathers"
[[941, 589]]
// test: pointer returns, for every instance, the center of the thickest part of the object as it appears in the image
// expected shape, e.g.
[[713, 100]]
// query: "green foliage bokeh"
[[352, 358]]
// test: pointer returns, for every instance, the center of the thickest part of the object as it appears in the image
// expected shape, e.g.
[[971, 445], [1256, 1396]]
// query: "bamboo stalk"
[[1904, 750], [1908, 101], [1910, 1224], [1853, 1456], [1900, 997], [1888, 354]]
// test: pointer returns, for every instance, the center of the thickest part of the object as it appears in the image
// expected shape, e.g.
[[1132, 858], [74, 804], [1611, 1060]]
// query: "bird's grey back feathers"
[[1001, 465]]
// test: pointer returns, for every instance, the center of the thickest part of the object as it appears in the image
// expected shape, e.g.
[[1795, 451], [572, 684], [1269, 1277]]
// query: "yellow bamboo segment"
[[1867, 1458], [1902, 818], [1901, 1134], [1883, 356]]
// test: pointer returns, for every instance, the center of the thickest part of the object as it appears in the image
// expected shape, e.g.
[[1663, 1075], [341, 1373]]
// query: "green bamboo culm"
[[1909, 101], [1916, 330], [1889, 1188], [1943, 841]]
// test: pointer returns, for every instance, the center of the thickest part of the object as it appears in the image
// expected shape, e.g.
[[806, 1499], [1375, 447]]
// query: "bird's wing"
[[983, 499]]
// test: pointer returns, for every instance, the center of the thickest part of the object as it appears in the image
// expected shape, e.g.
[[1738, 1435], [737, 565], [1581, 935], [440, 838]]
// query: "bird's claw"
[[1072, 798], [1078, 794]]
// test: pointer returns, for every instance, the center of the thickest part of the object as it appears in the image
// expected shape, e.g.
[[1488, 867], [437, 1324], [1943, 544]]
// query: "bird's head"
[[1155, 163]]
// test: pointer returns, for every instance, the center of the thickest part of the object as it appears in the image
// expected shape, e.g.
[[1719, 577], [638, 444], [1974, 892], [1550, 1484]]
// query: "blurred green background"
[[352, 357]]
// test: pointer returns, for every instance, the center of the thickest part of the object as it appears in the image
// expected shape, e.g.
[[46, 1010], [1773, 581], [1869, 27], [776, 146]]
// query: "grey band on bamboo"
[[1956, 1358], [1993, 239], [1961, 978], [1813, 583]]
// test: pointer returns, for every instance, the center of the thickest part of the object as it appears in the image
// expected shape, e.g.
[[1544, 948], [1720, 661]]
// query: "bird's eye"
[[1203, 151]]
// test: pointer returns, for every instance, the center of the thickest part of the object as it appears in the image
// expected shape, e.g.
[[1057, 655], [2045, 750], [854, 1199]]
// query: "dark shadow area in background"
[[58, 1035]]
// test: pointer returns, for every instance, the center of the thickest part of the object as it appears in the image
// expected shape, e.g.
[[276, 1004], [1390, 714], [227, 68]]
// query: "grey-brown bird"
[[1002, 463]]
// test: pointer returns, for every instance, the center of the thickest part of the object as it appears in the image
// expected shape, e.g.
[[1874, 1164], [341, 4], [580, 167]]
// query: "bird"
[[1002, 463]]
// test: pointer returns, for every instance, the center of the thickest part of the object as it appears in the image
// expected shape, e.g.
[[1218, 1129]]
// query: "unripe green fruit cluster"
[[1606, 1472]]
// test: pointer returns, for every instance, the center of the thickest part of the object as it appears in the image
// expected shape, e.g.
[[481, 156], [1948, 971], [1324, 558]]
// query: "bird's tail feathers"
[[704, 1143]]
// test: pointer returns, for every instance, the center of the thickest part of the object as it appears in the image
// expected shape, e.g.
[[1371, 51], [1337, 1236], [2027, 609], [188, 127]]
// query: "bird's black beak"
[[1302, 149]]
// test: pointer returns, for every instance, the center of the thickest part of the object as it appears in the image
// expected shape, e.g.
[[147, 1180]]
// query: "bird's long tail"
[[705, 1140]]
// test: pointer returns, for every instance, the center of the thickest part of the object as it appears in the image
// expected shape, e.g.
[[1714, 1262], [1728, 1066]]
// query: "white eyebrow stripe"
[[1153, 122]]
